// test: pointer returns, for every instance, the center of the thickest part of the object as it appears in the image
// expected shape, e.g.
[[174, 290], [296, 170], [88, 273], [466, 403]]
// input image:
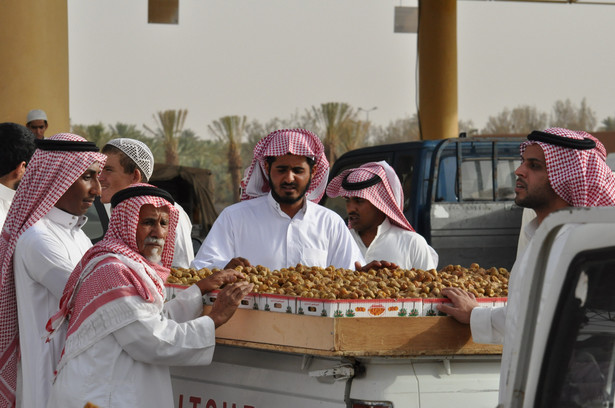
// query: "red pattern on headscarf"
[[387, 195], [48, 175], [580, 177], [105, 282], [299, 142]]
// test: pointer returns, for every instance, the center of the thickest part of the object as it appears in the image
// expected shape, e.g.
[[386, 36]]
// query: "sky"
[[273, 58]]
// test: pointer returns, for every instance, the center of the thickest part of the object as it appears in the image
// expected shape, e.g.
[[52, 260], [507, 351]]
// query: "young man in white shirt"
[[374, 203], [41, 243], [278, 223], [16, 148], [130, 161], [559, 168]]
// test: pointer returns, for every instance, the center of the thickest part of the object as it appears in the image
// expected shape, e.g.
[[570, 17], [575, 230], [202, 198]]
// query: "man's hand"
[[227, 302], [463, 304], [219, 279], [375, 265], [235, 262]]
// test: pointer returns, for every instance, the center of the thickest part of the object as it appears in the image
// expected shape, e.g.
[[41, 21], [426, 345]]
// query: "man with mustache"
[[278, 223], [122, 333], [374, 203], [130, 161], [41, 243], [559, 168]]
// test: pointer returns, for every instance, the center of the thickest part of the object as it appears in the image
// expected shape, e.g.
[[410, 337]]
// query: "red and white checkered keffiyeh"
[[299, 142], [387, 195], [580, 177], [114, 269], [48, 175]]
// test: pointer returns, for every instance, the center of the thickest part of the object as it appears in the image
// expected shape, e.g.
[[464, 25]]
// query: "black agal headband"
[[140, 191], [585, 144], [360, 185], [66, 145]]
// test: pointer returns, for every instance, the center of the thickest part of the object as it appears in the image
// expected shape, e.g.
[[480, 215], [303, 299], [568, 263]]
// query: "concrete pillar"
[[437, 51], [34, 61]]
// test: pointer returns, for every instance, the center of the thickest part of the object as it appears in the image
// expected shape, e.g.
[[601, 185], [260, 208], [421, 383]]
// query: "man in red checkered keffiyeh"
[[121, 335], [374, 203], [278, 223], [560, 168], [41, 243]]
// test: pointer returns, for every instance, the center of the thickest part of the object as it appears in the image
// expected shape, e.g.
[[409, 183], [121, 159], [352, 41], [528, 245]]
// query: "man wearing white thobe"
[[41, 243], [278, 223], [559, 168], [374, 203]]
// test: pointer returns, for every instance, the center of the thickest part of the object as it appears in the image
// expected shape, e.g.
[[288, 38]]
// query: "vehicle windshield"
[[579, 367]]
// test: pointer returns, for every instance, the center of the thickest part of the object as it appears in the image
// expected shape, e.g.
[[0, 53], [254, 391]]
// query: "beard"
[[288, 200], [155, 256], [537, 198]]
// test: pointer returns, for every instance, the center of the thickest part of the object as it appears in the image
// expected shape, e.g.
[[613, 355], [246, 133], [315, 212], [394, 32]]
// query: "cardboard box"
[[246, 303], [275, 303]]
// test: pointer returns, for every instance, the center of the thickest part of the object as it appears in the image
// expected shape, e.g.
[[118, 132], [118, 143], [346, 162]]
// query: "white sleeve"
[[488, 324], [184, 250], [186, 305], [219, 246], [157, 340], [46, 261], [420, 255]]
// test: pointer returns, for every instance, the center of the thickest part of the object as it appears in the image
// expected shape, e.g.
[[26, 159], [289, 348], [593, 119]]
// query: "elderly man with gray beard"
[[122, 335]]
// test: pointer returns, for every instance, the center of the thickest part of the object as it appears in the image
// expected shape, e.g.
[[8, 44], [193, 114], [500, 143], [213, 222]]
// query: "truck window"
[[477, 178], [579, 365]]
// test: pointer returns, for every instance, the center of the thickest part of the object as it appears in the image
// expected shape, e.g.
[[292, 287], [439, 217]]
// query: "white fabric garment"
[[184, 250], [6, 198], [261, 232], [524, 239], [44, 258], [499, 325], [407, 249], [129, 367]]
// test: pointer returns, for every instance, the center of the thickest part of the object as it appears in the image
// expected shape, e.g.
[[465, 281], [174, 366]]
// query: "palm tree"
[[354, 136], [231, 129], [333, 116], [94, 133], [608, 124], [170, 126]]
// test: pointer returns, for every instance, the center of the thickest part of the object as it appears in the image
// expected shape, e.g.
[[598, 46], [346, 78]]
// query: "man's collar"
[[276, 205], [68, 220], [6, 192]]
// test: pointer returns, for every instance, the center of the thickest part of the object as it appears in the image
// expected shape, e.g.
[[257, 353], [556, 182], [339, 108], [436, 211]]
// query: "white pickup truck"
[[565, 355]]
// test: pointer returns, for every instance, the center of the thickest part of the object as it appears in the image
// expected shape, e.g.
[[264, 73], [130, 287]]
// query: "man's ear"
[[137, 177], [20, 170]]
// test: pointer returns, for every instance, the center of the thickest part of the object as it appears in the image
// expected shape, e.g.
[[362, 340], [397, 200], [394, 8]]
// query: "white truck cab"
[[564, 355]]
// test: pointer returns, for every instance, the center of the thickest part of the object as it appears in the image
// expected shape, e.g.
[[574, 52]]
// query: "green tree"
[[355, 134], [96, 133], [608, 124], [231, 129], [400, 130], [170, 124], [522, 119], [333, 117], [569, 116]]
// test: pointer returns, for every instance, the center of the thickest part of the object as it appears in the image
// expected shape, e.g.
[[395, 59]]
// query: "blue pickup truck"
[[458, 193]]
